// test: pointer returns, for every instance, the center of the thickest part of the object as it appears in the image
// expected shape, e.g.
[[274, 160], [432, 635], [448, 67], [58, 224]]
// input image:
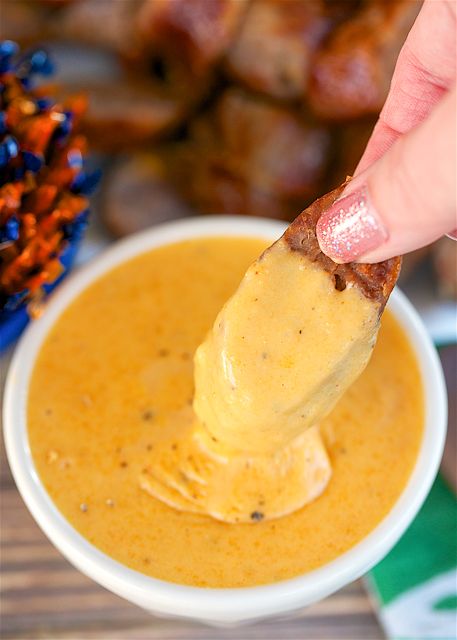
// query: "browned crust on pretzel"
[[375, 281]]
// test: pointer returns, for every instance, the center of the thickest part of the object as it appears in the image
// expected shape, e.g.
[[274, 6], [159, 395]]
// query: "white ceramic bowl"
[[217, 606]]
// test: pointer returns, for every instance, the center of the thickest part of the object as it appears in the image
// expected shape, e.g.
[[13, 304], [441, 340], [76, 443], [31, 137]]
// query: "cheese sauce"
[[113, 385], [282, 351]]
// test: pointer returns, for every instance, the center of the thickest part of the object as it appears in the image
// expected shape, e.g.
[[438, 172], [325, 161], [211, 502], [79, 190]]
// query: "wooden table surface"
[[43, 596]]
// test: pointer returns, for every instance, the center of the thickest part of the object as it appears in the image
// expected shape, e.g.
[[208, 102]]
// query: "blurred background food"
[[223, 106]]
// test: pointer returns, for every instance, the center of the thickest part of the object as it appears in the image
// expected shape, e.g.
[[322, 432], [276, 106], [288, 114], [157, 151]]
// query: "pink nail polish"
[[350, 228]]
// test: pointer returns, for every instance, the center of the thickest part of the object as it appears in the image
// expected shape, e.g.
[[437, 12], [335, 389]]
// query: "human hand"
[[403, 195]]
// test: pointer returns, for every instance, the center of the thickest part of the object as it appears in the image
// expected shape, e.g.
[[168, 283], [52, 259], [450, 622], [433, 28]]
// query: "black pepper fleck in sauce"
[[257, 516]]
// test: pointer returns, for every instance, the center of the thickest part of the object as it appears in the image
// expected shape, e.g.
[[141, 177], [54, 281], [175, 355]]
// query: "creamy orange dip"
[[281, 352], [113, 385]]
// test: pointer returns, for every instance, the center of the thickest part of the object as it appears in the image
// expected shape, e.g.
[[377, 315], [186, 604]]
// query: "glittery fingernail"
[[350, 228]]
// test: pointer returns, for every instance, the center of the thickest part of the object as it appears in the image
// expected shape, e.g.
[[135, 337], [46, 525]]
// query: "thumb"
[[405, 200]]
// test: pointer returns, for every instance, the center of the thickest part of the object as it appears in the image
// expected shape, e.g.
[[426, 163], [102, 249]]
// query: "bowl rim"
[[216, 605]]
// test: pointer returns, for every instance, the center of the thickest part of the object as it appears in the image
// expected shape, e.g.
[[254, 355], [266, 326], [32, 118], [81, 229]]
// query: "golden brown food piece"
[[262, 377], [248, 156], [182, 40], [375, 281], [272, 52], [57, 4], [136, 195], [349, 143], [265, 379], [351, 74], [126, 114], [411, 262], [100, 23]]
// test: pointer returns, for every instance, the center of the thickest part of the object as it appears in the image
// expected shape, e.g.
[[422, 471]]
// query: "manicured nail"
[[350, 228]]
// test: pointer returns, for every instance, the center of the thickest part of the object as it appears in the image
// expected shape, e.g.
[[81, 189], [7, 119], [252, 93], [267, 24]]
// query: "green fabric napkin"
[[415, 586]]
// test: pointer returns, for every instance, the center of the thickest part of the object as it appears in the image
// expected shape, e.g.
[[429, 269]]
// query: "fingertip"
[[351, 228]]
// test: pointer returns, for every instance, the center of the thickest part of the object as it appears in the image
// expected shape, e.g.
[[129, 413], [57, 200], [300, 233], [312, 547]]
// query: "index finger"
[[425, 71]]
